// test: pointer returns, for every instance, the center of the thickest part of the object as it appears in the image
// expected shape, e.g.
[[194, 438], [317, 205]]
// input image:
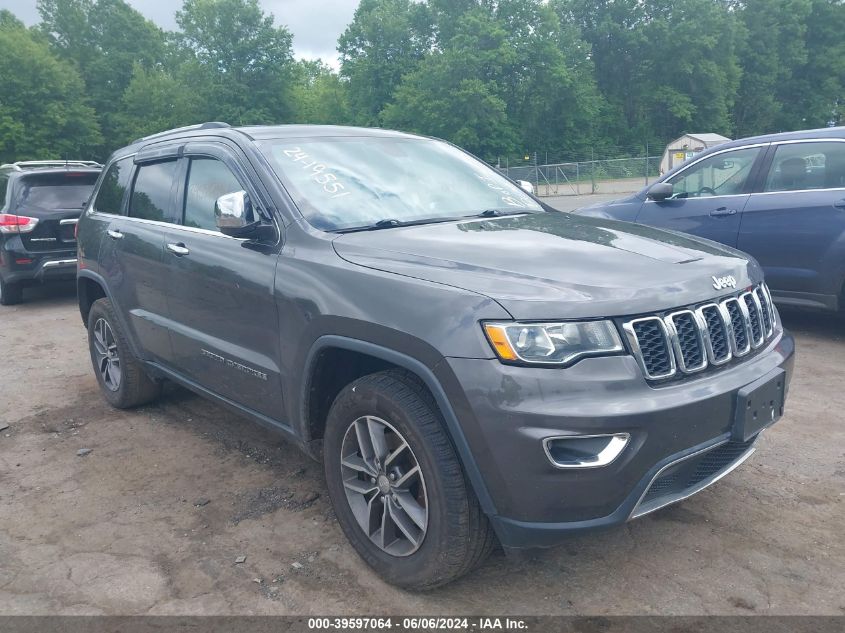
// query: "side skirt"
[[285, 429]]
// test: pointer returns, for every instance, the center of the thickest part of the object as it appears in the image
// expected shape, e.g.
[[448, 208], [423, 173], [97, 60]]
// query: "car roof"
[[29, 174], [28, 168], [820, 133], [314, 131], [259, 132]]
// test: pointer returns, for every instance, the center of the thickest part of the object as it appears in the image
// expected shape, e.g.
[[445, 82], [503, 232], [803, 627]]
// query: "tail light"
[[16, 223]]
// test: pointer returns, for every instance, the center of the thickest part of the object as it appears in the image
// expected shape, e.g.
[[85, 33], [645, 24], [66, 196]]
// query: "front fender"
[[429, 376]]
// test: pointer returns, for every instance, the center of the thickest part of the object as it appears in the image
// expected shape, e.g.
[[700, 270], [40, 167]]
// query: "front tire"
[[398, 489], [10, 293], [122, 379]]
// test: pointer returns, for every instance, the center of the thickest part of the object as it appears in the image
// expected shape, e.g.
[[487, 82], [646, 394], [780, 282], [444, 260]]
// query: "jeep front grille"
[[718, 333], [688, 340], [692, 339], [739, 326], [653, 347]]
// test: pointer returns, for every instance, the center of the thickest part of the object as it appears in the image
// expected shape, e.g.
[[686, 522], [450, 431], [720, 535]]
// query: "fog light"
[[585, 451]]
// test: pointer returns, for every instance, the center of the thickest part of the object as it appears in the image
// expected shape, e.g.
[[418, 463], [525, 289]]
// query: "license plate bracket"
[[759, 404]]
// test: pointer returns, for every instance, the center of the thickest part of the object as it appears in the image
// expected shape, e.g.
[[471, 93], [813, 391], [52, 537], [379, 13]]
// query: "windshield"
[[350, 182], [55, 191]]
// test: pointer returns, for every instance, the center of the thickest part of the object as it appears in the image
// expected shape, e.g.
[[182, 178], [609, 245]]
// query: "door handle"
[[839, 204], [722, 212], [178, 249], [115, 235]]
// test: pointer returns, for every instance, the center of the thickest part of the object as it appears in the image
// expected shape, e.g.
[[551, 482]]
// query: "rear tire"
[[10, 293], [452, 535], [122, 379]]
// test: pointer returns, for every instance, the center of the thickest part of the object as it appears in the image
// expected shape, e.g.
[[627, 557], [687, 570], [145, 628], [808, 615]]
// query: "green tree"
[[43, 114], [455, 92], [816, 94], [105, 39], [155, 100], [241, 64], [664, 66], [771, 51], [548, 79], [510, 77], [438, 100], [386, 40], [319, 95]]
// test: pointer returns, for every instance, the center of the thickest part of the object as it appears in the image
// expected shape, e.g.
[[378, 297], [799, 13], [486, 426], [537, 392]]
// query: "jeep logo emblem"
[[727, 281]]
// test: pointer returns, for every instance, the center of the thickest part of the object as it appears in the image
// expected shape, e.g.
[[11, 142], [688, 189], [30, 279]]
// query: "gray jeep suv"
[[471, 366]]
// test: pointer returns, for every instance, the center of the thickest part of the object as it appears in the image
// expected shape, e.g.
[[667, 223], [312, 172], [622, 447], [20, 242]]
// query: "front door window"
[[724, 174]]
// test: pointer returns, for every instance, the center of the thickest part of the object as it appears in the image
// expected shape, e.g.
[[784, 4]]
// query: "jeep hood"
[[556, 265]]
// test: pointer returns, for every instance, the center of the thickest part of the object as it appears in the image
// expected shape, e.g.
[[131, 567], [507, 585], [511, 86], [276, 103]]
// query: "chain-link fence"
[[614, 175]]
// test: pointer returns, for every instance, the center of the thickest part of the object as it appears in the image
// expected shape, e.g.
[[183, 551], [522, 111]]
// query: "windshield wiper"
[[499, 213], [391, 223]]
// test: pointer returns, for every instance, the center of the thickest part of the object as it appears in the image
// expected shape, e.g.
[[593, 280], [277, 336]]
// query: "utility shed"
[[684, 148]]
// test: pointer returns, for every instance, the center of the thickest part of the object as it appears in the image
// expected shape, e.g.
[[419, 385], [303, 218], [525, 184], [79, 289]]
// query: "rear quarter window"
[[113, 188]]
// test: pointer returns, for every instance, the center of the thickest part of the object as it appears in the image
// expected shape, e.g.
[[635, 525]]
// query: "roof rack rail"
[[22, 164], [199, 126]]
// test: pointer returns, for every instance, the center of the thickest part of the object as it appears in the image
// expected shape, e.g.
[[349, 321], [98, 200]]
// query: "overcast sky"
[[315, 24]]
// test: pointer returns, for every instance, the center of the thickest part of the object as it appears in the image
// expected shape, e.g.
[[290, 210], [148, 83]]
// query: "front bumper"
[[680, 438]]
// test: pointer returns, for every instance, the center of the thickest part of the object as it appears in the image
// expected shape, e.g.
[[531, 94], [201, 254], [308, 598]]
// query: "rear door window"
[[69, 191], [152, 195], [804, 166], [115, 183]]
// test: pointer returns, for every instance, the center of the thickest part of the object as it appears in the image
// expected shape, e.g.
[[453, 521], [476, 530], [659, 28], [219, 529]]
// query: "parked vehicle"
[[780, 198], [470, 365], [41, 203]]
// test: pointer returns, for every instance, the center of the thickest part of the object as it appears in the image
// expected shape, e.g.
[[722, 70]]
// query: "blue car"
[[780, 198]]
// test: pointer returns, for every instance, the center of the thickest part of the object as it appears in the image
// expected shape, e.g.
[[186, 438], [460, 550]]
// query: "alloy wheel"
[[108, 358], [384, 486]]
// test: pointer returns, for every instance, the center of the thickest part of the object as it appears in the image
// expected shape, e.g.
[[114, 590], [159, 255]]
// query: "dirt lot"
[[152, 520]]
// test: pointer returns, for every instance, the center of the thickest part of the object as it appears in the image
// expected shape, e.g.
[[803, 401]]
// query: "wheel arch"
[[91, 286], [88, 289], [312, 414]]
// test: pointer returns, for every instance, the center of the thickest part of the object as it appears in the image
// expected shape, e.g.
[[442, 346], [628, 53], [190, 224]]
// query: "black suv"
[[471, 366], [41, 203]]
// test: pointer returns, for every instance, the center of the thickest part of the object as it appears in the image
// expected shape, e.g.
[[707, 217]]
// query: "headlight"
[[552, 343]]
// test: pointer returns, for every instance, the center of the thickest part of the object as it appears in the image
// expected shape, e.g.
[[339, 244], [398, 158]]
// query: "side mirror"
[[527, 186], [233, 212], [235, 217], [660, 191]]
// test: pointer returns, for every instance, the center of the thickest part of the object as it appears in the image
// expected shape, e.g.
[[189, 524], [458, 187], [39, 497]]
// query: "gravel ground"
[[155, 518]]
